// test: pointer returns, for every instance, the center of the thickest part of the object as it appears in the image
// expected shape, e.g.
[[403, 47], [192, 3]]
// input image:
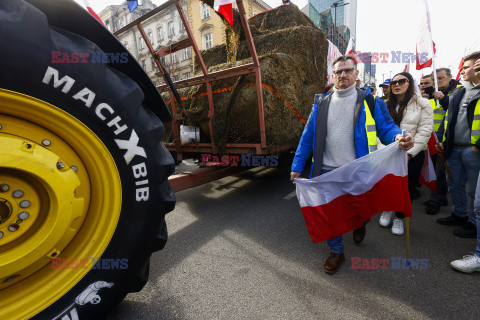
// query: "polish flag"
[[343, 199], [351, 52], [89, 8], [425, 48], [225, 8], [427, 176], [333, 53], [460, 68]]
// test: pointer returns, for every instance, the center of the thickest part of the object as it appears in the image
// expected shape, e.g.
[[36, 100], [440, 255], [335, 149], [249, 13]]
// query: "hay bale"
[[292, 54], [279, 18]]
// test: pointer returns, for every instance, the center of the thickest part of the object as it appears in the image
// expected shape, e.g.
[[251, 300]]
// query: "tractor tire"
[[92, 172]]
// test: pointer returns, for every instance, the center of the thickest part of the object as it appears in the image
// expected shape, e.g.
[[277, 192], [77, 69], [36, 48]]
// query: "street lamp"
[[335, 5]]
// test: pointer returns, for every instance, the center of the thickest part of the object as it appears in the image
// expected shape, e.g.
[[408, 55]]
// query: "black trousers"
[[415, 166], [442, 187]]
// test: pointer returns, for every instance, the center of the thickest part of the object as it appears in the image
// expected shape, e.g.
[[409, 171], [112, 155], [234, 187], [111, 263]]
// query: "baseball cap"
[[385, 83]]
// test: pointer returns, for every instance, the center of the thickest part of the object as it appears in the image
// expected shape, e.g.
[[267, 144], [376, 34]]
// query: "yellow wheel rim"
[[60, 201]]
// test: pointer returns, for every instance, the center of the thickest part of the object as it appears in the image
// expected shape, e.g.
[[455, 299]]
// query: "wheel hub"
[[40, 198], [60, 197]]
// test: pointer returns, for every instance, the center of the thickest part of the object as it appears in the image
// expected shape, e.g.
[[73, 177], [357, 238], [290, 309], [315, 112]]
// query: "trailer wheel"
[[83, 176]]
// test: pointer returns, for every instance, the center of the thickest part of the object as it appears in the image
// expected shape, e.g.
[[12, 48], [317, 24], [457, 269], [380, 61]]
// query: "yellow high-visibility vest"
[[438, 115], [371, 129], [475, 134]]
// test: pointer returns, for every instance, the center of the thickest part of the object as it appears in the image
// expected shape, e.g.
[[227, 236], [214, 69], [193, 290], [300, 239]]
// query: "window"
[[149, 35], [107, 23], [187, 75], [159, 34], [205, 11], [186, 53], [144, 65], [174, 58], [154, 66], [171, 29], [207, 40], [140, 40], [182, 27]]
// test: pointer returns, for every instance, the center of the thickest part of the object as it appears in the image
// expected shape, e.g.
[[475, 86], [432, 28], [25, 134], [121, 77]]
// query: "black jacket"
[[455, 98], [451, 87]]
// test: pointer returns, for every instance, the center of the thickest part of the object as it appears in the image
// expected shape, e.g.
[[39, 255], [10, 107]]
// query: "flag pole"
[[431, 49], [407, 220], [407, 236]]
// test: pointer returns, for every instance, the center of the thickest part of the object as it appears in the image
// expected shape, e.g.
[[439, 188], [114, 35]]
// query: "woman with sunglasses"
[[414, 114]]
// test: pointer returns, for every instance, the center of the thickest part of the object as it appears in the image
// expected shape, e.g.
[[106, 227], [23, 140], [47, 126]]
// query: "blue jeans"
[[336, 244], [477, 213], [464, 165]]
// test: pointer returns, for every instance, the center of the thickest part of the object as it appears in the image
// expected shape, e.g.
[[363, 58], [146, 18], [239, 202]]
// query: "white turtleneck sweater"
[[339, 145]]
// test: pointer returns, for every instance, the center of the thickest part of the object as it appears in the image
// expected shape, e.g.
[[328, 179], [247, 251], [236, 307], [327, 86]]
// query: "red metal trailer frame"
[[184, 151]]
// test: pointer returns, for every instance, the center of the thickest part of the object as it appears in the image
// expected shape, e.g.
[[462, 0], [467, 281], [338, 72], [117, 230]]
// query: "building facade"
[[166, 28], [336, 18]]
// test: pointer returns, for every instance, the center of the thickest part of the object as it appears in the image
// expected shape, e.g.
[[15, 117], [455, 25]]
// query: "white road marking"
[[290, 195]]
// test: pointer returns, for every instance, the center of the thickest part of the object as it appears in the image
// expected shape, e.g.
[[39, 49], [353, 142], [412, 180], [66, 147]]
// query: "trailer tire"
[[107, 107]]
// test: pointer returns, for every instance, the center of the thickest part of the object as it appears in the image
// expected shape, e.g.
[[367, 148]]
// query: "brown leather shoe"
[[359, 234], [333, 262]]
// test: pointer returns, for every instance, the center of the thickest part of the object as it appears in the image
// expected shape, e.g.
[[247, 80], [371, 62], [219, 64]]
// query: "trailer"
[[195, 150]]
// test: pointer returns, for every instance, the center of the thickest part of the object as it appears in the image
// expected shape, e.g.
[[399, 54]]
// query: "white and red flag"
[[460, 68], [333, 53], [343, 199], [225, 8], [427, 175], [351, 52], [425, 48], [93, 13]]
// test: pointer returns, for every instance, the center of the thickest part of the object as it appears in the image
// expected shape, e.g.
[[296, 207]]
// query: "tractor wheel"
[[83, 176]]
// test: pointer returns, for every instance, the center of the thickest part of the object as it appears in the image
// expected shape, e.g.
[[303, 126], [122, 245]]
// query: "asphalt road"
[[239, 249]]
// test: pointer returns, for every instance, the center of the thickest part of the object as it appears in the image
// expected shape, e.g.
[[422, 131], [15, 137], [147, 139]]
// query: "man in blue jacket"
[[342, 127]]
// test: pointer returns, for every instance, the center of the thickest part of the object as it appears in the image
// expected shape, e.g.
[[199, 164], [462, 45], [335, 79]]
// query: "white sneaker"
[[386, 218], [468, 264], [397, 228]]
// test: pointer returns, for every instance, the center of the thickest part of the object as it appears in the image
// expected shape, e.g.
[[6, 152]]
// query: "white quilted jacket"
[[418, 121]]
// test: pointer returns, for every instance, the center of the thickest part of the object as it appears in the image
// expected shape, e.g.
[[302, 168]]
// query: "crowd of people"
[[344, 115]]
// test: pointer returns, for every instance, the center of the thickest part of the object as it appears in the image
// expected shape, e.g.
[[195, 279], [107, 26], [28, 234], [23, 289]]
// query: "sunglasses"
[[347, 71], [400, 82]]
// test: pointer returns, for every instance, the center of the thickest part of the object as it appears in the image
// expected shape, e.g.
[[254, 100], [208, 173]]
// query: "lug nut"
[[60, 165], [4, 187], [23, 215], [17, 193], [13, 227], [1, 234], [74, 168], [24, 204], [46, 142]]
